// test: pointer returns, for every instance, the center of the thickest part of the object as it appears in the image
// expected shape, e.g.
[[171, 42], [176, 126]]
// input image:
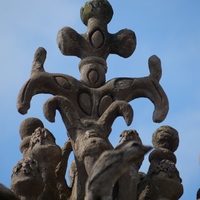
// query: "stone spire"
[[94, 46]]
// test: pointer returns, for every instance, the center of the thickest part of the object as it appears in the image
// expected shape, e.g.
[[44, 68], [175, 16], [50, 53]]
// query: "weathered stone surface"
[[42, 147], [166, 137], [162, 180], [112, 164], [88, 108], [27, 182], [128, 182]]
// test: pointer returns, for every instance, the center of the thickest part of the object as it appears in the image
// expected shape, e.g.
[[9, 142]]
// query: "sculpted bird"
[[109, 167]]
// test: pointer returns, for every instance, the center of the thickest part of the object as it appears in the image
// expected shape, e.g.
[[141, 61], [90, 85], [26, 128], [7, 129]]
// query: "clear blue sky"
[[169, 29]]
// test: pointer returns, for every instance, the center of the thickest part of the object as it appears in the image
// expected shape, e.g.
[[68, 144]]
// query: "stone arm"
[[117, 108], [43, 82], [128, 89], [124, 89], [96, 42]]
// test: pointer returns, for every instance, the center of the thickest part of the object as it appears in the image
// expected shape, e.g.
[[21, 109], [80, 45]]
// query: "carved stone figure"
[[27, 182], [128, 182], [88, 108]]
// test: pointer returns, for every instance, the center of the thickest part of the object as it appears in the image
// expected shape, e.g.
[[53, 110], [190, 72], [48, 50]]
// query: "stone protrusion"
[[162, 180], [27, 182]]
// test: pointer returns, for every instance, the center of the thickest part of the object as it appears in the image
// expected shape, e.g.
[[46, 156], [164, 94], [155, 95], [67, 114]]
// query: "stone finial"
[[162, 180], [96, 44], [98, 9], [27, 127], [166, 137]]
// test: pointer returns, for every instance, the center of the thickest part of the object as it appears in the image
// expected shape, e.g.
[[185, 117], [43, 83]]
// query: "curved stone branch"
[[66, 109], [150, 88], [43, 82], [124, 38], [39, 59], [128, 89], [61, 168], [117, 108], [65, 38], [97, 41], [107, 170], [155, 67]]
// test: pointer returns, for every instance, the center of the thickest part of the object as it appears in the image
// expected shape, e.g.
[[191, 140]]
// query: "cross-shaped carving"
[[94, 46]]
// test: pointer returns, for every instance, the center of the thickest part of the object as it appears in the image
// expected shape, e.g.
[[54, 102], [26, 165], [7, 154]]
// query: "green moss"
[[98, 9]]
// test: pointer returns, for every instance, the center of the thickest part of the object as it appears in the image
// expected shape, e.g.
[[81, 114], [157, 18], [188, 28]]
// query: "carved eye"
[[62, 82], [123, 83], [97, 39]]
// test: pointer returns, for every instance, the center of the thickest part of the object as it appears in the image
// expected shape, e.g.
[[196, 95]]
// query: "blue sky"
[[168, 29]]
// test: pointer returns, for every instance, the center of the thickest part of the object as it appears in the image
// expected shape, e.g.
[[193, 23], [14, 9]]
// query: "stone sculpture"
[[27, 182], [88, 108], [163, 176], [130, 176]]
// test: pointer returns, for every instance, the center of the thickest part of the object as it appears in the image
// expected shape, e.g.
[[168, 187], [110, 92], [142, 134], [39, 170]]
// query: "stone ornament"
[[88, 108], [162, 180]]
